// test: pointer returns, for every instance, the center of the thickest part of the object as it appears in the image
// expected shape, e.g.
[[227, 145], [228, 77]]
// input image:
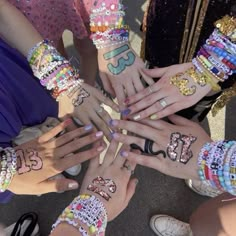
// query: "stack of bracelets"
[[217, 163], [107, 24], [87, 214], [8, 167], [54, 71], [215, 61]]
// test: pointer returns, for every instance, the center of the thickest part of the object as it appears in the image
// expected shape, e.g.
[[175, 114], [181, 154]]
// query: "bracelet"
[[85, 210], [8, 167]]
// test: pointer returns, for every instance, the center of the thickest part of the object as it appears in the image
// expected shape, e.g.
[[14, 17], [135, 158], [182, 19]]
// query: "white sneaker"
[[164, 225], [203, 188]]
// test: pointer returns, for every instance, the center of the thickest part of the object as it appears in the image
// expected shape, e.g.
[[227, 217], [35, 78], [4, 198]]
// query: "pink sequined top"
[[52, 17]]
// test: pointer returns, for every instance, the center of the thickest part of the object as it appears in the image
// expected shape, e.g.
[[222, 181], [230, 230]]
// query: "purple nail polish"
[[124, 153], [114, 122], [88, 127], [125, 112]]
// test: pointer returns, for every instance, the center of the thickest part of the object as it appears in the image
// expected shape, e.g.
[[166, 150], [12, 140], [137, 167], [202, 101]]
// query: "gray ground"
[[156, 193]]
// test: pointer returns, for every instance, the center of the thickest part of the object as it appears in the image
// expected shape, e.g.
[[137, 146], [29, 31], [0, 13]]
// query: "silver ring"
[[163, 103], [150, 89], [100, 110]]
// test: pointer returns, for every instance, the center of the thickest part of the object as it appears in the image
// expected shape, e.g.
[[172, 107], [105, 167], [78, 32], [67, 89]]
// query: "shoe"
[[164, 225], [203, 188], [27, 225]]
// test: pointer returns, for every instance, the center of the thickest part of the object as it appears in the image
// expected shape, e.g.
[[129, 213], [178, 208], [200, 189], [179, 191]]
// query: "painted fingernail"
[[126, 101], [125, 112], [67, 122], [124, 153], [99, 134], [101, 148], [88, 127], [114, 123], [137, 117], [73, 185], [115, 135], [153, 117]]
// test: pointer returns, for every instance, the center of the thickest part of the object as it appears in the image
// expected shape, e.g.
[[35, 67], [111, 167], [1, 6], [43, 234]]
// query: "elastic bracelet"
[[8, 167], [85, 211]]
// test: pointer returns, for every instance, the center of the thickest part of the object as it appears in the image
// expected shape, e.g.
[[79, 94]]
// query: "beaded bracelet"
[[53, 71], [85, 210], [8, 167], [216, 162]]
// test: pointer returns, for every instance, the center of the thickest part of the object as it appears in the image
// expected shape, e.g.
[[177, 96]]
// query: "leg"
[[88, 59], [215, 218]]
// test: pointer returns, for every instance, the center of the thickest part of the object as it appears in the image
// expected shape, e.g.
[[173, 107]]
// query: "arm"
[[16, 29]]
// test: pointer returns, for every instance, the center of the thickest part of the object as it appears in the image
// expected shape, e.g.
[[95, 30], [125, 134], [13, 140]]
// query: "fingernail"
[[125, 112], [126, 101], [88, 127], [124, 154], [113, 122], [67, 122], [115, 135], [73, 185], [101, 148], [137, 117], [153, 117], [99, 134], [136, 181]]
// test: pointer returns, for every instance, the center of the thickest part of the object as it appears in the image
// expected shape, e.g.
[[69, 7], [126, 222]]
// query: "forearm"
[[16, 29]]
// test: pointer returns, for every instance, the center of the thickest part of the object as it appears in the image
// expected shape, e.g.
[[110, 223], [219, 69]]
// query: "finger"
[[169, 110], [179, 120], [111, 154], [77, 144], [129, 87], [153, 110], [146, 102], [57, 185], [101, 125], [107, 101], [136, 128], [107, 84], [142, 94], [65, 138], [148, 79], [131, 187], [128, 140], [155, 73], [138, 84], [148, 161], [78, 158], [156, 124], [55, 131], [120, 94]]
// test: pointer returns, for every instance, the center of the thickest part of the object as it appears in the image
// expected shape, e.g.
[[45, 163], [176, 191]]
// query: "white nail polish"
[[73, 185], [137, 117]]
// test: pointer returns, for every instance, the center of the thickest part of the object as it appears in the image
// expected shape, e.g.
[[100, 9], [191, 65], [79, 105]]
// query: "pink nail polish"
[[99, 134]]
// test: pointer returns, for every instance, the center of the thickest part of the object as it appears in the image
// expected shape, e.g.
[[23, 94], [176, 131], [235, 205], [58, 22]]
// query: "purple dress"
[[23, 101]]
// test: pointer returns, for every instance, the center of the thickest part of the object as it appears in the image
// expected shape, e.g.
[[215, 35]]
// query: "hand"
[[113, 169], [43, 158], [163, 98], [178, 144], [85, 104], [120, 71]]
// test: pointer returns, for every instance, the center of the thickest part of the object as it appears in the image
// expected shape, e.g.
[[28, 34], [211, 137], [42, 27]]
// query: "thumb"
[[130, 190], [155, 73], [58, 185]]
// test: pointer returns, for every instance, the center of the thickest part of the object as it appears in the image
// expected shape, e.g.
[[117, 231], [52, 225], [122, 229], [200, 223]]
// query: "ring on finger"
[[128, 167], [100, 110], [163, 103]]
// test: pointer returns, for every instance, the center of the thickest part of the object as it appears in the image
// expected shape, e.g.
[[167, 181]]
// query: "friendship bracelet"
[[85, 210]]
